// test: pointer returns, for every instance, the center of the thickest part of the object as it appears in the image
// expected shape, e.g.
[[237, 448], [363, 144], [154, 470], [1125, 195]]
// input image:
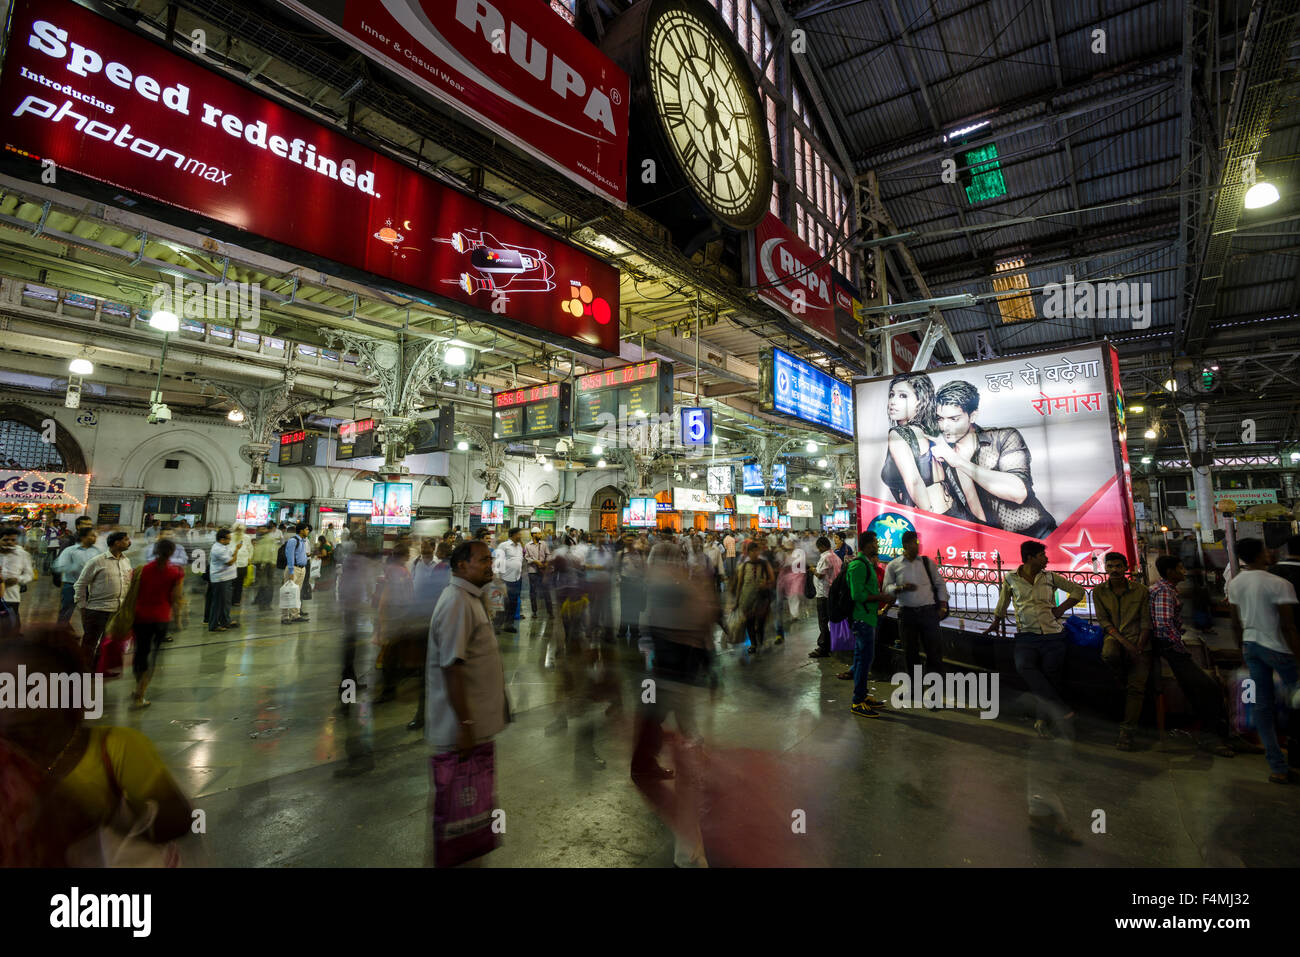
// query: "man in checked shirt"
[[1201, 690]]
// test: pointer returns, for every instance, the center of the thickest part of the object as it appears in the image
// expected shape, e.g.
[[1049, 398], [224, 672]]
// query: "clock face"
[[710, 115]]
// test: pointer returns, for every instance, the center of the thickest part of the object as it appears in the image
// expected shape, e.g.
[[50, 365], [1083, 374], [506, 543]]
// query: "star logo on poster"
[[1081, 553]]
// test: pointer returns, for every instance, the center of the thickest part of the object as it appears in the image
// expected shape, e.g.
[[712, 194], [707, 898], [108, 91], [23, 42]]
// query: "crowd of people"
[[616, 607]]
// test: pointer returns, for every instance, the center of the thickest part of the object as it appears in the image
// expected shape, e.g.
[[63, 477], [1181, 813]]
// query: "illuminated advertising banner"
[[982, 457], [721, 523], [390, 504], [253, 509], [792, 276], [783, 522], [767, 516], [103, 102], [358, 506], [802, 391], [643, 513], [514, 68], [778, 477], [693, 500], [799, 509], [397, 505], [1241, 497], [848, 306], [23, 487], [493, 511], [720, 480], [752, 477], [841, 518], [747, 505]]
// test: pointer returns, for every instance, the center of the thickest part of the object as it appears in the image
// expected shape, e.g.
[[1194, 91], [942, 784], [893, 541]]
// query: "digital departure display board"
[[637, 391], [298, 447], [535, 412], [357, 439]]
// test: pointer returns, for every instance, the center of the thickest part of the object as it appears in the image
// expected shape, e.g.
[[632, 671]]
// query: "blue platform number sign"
[[697, 426]]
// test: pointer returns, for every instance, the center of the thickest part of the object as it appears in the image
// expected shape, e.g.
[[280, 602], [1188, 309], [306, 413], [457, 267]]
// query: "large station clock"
[[697, 106]]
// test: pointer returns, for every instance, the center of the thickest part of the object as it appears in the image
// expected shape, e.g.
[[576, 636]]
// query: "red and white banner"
[[786, 274], [982, 457], [101, 101], [511, 66]]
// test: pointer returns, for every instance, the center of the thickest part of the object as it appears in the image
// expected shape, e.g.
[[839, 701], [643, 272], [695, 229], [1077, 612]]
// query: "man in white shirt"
[[824, 574], [922, 598], [16, 567], [223, 561], [69, 565], [508, 565], [100, 589], [465, 689], [1263, 622], [538, 556]]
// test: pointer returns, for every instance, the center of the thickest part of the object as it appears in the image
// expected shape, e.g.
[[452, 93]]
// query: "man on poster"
[[988, 474]]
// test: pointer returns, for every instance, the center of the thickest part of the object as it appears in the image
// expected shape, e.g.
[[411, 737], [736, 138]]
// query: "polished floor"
[[249, 722]]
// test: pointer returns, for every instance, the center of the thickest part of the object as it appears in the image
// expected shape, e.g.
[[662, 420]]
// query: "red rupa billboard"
[[978, 458], [794, 277], [515, 68], [106, 103]]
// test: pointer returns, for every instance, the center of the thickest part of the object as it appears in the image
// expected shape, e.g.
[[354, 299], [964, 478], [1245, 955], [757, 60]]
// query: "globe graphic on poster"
[[782, 382], [889, 529]]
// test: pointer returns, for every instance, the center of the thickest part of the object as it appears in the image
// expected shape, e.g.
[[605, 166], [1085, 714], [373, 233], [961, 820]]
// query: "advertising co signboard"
[[18, 487], [103, 102], [982, 457], [516, 69], [800, 390], [792, 276]]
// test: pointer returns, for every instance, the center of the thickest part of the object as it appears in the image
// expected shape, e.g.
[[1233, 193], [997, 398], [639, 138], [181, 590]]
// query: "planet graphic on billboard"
[[888, 529]]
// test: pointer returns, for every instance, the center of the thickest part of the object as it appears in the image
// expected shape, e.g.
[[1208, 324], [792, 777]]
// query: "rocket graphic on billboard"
[[492, 264]]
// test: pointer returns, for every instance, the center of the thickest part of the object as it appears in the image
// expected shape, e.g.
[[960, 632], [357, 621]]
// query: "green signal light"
[[983, 180]]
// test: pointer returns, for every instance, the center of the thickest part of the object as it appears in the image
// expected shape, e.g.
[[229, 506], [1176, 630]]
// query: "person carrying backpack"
[[859, 578]]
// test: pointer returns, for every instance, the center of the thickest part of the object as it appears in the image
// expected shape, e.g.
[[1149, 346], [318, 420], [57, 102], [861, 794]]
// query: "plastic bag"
[[290, 595], [842, 636], [1083, 632], [464, 794]]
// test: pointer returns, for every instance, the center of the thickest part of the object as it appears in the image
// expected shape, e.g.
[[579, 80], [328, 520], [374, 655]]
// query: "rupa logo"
[[213, 301], [782, 269], [1099, 300], [482, 18]]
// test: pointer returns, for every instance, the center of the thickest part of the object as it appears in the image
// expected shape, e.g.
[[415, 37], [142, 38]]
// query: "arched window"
[[22, 447], [22, 442]]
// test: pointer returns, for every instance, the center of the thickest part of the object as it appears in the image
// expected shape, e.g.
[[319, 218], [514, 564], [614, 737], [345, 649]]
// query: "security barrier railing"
[[973, 590]]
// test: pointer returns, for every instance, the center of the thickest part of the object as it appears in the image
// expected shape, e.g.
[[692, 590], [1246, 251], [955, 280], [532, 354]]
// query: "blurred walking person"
[[159, 599]]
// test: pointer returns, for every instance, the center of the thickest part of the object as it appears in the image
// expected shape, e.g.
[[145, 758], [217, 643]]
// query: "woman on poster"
[[910, 473]]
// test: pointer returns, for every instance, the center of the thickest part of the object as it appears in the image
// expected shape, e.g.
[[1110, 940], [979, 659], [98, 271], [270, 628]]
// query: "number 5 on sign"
[[697, 426]]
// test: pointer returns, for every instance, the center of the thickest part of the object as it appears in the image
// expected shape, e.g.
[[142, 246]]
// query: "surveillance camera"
[[159, 413]]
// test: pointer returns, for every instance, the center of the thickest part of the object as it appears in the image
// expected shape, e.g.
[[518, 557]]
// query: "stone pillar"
[[1202, 480]]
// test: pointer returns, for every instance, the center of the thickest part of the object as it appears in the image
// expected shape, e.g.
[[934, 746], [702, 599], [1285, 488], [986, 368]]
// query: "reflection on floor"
[[250, 724]]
